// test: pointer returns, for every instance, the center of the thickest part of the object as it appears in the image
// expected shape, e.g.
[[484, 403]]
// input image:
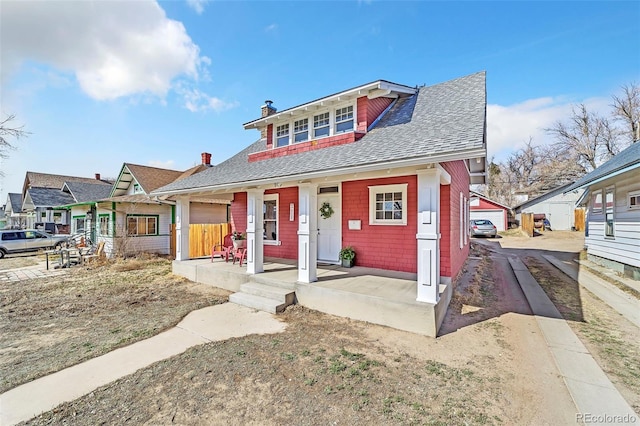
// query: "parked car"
[[22, 240], [483, 227]]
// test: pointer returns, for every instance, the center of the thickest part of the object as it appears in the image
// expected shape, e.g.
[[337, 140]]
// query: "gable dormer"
[[333, 120]]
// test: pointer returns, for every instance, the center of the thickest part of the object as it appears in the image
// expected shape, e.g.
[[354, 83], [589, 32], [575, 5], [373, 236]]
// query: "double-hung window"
[[596, 202], [104, 224], [282, 135], [301, 130], [142, 225], [609, 207], [388, 204], [344, 119], [321, 125]]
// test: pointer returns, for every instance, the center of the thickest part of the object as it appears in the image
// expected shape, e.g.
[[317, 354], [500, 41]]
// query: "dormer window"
[[282, 135], [344, 119], [321, 125], [301, 130]]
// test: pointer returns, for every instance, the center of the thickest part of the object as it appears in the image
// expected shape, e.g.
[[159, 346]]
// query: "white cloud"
[[197, 5], [196, 101], [115, 49], [509, 127], [271, 28]]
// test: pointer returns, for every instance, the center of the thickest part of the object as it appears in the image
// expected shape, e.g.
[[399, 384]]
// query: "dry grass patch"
[[52, 323], [321, 370]]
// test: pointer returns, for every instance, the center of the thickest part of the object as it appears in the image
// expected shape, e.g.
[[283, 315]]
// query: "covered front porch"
[[367, 294]]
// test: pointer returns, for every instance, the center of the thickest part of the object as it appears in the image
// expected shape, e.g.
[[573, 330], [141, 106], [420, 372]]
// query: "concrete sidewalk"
[[210, 324], [597, 400], [627, 305]]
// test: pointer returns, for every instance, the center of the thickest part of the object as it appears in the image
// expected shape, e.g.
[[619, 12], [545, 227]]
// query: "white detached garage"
[[482, 207]]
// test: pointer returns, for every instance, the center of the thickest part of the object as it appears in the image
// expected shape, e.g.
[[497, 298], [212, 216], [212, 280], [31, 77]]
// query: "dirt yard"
[[488, 366]]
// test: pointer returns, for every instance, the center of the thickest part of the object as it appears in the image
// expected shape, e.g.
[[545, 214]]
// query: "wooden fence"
[[202, 236], [579, 219], [527, 223]]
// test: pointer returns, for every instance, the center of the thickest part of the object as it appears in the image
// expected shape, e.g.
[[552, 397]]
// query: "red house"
[[485, 208], [382, 167]]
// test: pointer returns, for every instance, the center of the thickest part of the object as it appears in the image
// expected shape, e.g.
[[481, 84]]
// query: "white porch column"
[[428, 235], [255, 231], [182, 228], [307, 232]]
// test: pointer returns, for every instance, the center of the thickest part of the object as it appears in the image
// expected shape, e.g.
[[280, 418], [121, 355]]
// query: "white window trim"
[[272, 197], [594, 196], [630, 195], [609, 210], [373, 190], [295, 134], [310, 128]]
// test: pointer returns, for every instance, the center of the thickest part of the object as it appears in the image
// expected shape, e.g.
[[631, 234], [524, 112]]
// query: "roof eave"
[[385, 86], [416, 161]]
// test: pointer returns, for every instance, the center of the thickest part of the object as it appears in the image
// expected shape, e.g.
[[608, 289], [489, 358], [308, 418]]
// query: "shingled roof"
[[627, 158], [16, 202], [149, 178], [83, 192], [48, 197], [440, 122], [46, 180]]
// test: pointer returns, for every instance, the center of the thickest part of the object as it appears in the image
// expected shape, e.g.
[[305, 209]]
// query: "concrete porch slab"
[[366, 294]]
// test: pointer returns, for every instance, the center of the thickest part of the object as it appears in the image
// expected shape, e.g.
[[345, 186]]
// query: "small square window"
[[633, 200], [387, 205]]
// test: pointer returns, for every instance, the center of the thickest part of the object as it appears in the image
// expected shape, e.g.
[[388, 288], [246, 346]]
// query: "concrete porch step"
[[257, 302], [279, 294], [272, 282]]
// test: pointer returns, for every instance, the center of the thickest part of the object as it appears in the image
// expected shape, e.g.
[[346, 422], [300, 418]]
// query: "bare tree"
[[626, 108], [8, 131], [592, 138]]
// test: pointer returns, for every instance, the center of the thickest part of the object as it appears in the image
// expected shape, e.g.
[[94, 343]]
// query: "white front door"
[[329, 232]]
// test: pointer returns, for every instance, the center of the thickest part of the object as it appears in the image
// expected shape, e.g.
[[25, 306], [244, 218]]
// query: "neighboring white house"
[[612, 199], [558, 205]]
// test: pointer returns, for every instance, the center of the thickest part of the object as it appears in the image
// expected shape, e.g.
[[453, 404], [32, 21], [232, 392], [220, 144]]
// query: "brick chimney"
[[267, 109], [97, 176], [206, 159]]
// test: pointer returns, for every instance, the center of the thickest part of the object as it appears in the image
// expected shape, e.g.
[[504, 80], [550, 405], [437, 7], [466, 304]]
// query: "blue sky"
[[102, 83]]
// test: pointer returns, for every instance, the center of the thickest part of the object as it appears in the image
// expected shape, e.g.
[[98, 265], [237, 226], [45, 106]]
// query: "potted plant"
[[239, 239], [347, 255]]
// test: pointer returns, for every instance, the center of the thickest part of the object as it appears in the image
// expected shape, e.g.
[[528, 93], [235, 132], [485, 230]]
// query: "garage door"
[[495, 216]]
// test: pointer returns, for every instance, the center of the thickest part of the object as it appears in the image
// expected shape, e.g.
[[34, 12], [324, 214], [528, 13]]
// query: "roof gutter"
[[478, 152]]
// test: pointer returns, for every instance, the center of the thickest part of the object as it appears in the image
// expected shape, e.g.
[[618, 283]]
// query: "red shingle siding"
[[288, 230], [362, 118], [380, 246], [375, 108], [238, 212], [304, 146], [452, 256], [270, 136]]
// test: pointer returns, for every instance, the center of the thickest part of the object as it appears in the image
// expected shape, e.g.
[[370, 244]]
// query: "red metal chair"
[[224, 250]]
